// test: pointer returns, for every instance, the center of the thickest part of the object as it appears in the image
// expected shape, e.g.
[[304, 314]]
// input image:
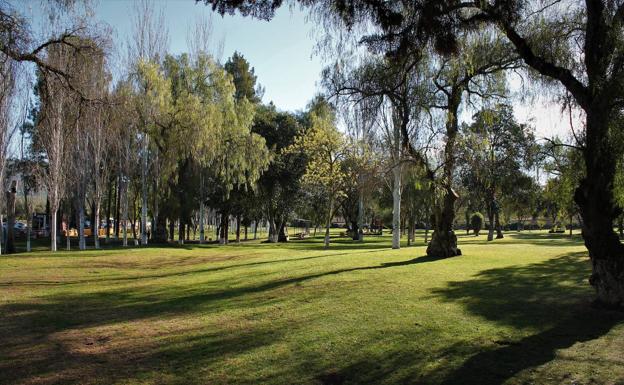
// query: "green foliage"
[[495, 149], [476, 222], [244, 78]]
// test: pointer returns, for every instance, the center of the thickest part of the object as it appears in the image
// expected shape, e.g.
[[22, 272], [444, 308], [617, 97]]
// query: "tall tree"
[[325, 148], [495, 150]]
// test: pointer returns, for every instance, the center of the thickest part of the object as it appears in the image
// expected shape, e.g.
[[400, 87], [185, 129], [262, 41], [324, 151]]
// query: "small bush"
[[476, 223]]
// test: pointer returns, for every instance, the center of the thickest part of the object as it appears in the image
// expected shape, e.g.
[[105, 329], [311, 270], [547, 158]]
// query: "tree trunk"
[[621, 226], [396, 189], [181, 231], [255, 230], [171, 230], [144, 193], [95, 226], [360, 220], [125, 216], [238, 228], [202, 234], [81, 226], [282, 236], [444, 241], [53, 224], [499, 230], [108, 211], [490, 213], [117, 207], [355, 229], [328, 223], [595, 199], [396, 209], [10, 206], [223, 237], [411, 230], [273, 231]]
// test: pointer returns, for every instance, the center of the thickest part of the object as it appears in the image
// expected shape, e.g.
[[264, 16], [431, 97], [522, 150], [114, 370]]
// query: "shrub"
[[476, 223]]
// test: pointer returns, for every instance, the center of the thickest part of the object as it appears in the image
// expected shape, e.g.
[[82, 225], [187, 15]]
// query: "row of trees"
[[463, 47], [176, 135]]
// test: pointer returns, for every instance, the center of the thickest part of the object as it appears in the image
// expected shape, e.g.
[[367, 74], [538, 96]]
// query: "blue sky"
[[279, 50]]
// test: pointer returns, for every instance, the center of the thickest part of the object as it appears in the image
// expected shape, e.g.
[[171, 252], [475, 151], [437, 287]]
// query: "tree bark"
[[108, 211], [355, 228], [499, 230], [396, 208], [117, 207], [81, 225], [396, 188], [238, 228], [596, 201], [144, 192], [444, 241], [328, 222], [10, 206], [282, 236], [125, 213], [490, 213], [224, 235], [181, 231], [360, 221], [95, 226]]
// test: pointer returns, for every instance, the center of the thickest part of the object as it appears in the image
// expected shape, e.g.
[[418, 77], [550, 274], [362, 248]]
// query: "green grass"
[[516, 311]]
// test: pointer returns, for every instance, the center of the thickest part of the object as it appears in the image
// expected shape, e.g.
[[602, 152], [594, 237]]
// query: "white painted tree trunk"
[[52, 229]]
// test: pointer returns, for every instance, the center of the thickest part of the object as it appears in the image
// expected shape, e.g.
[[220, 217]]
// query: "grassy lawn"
[[516, 311]]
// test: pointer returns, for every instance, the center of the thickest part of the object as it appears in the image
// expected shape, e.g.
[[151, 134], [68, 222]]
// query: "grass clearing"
[[516, 311]]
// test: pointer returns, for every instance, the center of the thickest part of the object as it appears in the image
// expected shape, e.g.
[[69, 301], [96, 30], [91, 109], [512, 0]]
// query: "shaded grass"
[[513, 311]]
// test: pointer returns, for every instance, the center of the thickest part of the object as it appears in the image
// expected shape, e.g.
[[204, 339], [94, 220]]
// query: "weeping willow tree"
[[196, 125]]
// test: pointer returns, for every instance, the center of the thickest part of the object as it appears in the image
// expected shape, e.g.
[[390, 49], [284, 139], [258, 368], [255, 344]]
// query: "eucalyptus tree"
[[495, 151], [148, 42], [394, 94], [122, 140], [91, 78], [54, 127], [475, 73]]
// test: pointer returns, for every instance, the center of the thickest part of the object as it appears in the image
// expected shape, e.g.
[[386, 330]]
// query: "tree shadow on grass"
[[29, 329], [551, 296], [525, 238]]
